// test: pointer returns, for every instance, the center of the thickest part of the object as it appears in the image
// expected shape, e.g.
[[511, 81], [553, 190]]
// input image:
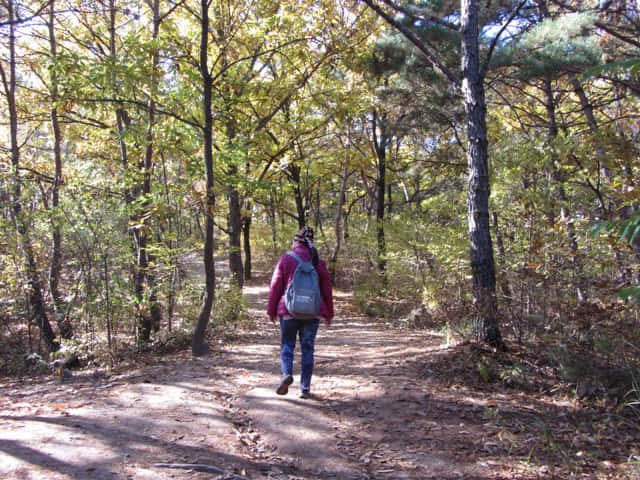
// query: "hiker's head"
[[304, 236]]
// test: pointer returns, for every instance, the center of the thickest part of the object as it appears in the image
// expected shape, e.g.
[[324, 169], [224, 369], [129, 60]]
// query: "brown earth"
[[388, 403]]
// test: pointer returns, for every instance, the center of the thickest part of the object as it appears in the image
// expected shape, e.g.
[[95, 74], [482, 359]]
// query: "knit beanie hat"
[[305, 236]]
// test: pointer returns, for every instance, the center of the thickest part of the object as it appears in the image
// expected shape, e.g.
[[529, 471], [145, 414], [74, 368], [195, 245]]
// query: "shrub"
[[230, 307]]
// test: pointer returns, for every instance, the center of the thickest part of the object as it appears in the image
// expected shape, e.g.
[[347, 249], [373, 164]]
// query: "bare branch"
[[19, 20]]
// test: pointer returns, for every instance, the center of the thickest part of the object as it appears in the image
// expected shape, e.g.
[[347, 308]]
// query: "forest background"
[[138, 135]]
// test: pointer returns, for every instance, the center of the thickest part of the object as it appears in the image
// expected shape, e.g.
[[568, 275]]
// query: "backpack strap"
[[295, 255]]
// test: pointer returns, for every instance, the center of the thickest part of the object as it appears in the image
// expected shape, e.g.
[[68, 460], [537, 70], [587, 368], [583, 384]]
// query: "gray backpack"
[[303, 297]]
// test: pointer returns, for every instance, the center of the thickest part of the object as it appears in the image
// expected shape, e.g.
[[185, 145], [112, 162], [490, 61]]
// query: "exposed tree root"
[[200, 468]]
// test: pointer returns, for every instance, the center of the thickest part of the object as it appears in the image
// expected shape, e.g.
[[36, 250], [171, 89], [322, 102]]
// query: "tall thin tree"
[[10, 84], [381, 140], [482, 261], [64, 324], [471, 84], [198, 344]]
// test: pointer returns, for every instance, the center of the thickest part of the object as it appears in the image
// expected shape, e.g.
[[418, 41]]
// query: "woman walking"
[[302, 252]]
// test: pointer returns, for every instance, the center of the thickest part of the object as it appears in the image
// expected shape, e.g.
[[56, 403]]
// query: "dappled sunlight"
[[255, 290], [386, 403]]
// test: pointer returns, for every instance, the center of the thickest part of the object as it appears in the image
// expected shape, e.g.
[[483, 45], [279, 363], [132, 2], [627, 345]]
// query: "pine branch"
[[431, 57], [494, 42], [422, 16]]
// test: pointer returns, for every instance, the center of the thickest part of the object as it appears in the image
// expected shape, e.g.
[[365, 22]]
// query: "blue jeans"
[[289, 330]]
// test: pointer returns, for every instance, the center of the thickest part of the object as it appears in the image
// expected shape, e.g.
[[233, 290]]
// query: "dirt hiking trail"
[[384, 407]]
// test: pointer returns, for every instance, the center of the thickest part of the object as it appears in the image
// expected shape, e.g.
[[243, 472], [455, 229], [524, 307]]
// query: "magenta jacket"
[[282, 278]]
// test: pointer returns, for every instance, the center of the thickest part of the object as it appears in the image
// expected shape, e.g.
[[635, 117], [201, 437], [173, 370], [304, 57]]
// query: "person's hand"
[[327, 322], [272, 319]]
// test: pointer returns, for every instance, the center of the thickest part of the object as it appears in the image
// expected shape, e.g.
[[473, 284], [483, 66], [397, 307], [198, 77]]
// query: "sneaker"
[[305, 394], [283, 388]]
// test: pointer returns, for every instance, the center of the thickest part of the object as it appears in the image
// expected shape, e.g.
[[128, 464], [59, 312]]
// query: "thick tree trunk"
[[198, 344], [482, 261], [64, 324], [36, 298]]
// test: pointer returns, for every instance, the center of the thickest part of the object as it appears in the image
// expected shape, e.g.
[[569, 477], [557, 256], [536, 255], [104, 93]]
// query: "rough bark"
[[198, 343], [482, 261]]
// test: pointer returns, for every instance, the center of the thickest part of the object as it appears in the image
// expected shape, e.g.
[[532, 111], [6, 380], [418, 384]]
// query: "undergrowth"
[[92, 349]]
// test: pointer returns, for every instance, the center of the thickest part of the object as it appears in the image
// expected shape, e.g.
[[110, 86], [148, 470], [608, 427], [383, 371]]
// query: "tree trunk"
[[587, 109], [64, 324], [505, 287], [198, 344], [246, 234], [36, 298], [381, 141], [273, 223], [333, 260], [154, 307], [150, 316], [131, 193], [317, 212], [235, 231], [294, 174], [558, 179], [233, 195], [482, 262]]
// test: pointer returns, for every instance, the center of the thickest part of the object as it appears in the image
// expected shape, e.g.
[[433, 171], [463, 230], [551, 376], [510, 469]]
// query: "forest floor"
[[389, 403]]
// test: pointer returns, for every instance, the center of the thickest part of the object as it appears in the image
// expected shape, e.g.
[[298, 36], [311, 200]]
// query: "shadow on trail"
[[388, 404], [43, 460], [125, 445], [368, 415], [405, 405]]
